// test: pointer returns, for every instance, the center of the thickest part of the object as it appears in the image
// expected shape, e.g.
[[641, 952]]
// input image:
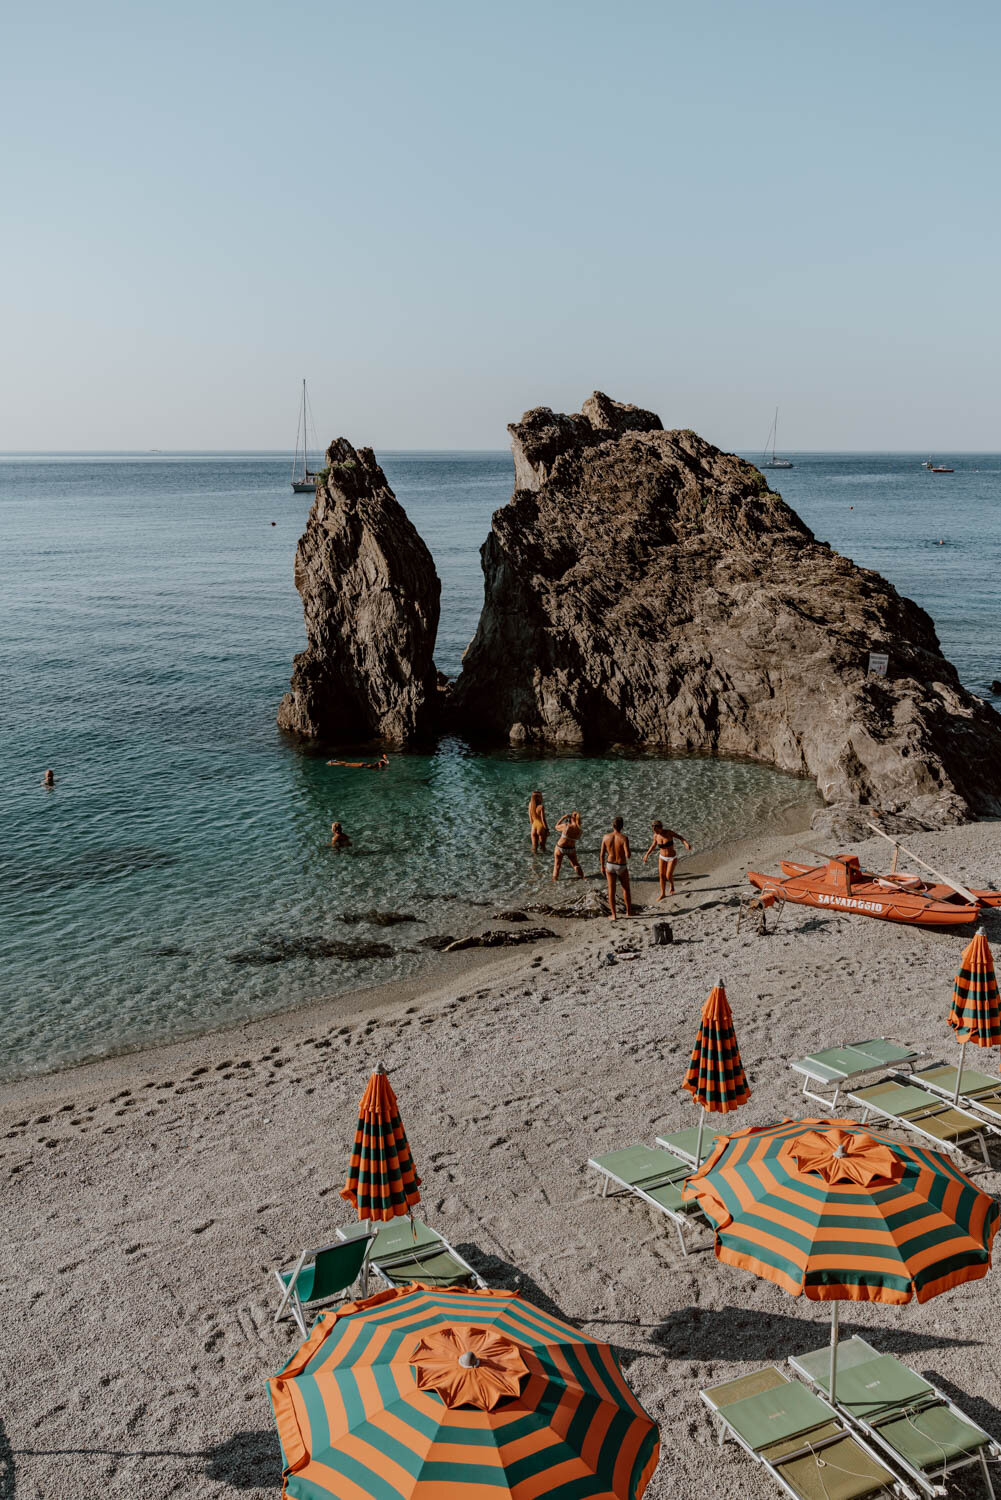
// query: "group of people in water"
[[615, 851]]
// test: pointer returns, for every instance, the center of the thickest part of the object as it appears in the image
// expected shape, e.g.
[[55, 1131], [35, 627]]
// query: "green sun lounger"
[[799, 1439], [926, 1113], [921, 1430], [405, 1250], [848, 1063], [981, 1092], [655, 1176]]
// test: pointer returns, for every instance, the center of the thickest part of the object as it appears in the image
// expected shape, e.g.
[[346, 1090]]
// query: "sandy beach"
[[147, 1198]]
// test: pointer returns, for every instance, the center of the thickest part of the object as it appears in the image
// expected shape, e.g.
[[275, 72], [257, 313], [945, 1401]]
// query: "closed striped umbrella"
[[834, 1211], [715, 1077], [422, 1393], [975, 1016], [381, 1181]]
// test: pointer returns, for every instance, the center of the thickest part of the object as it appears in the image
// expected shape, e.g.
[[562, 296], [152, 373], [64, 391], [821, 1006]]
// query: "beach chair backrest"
[[335, 1269]]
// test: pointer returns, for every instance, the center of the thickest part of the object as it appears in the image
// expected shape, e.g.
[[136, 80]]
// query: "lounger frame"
[[991, 1118], [898, 1487], [904, 1122], [681, 1221], [289, 1289], [813, 1071], [936, 1397]]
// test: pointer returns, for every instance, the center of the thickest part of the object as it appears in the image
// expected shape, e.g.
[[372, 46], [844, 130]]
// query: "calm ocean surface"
[[148, 621]]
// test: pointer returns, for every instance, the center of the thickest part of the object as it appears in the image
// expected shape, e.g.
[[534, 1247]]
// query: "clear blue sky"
[[442, 214]]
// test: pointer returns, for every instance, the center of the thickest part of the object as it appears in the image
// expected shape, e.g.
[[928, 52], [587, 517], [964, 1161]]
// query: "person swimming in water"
[[49, 779], [667, 856], [614, 866], [338, 838], [363, 765], [537, 819], [570, 829]]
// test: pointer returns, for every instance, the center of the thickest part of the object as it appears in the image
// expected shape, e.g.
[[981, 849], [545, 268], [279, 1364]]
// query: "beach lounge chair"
[[907, 1104], [655, 1176], [847, 1064], [981, 1092], [405, 1250], [321, 1275], [799, 1439], [921, 1430]]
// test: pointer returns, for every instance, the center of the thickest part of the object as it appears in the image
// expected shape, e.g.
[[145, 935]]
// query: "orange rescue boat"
[[842, 885]]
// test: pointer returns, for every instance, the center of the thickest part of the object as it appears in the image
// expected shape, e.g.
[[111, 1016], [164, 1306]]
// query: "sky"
[[444, 214]]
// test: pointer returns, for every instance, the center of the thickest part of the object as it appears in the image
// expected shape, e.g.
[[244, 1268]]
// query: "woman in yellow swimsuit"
[[667, 856], [537, 819]]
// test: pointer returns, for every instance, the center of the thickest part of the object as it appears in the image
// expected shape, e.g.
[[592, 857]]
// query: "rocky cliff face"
[[370, 595], [644, 588]]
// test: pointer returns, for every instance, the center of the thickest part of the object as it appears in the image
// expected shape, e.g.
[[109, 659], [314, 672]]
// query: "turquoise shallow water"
[[148, 625]]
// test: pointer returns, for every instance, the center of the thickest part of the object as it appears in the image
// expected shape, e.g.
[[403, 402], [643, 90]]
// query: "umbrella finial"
[[468, 1360], [981, 932], [380, 1066]]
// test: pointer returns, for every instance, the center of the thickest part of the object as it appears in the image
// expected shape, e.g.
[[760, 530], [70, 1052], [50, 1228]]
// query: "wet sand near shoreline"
[[146, 1198]]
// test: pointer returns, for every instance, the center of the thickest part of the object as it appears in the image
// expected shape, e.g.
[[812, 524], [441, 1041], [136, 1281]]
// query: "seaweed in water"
[[278, 950], [379, 918]]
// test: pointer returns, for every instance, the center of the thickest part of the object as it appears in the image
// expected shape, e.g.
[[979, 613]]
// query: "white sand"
[[147, 1199]]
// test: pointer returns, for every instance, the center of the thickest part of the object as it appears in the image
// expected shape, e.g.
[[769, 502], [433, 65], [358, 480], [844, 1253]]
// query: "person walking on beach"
[[667, 856], [338, 838], [569, 829], [537, 819], [363, 765], [614, 866]]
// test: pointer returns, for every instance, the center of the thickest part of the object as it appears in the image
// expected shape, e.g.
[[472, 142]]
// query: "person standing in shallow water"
[[615, 868], [569, 828], [537, 819], [667, 856], [338, 838]]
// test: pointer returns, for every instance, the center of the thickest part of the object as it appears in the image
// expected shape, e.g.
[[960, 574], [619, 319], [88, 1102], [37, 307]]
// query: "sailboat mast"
[[305, 440], [775, 433]]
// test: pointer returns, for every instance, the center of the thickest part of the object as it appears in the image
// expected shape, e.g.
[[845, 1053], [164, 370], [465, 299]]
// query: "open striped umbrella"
[[381, 1181], [422, 1393], [715, 1077], [835, 1211], [975, 1016]]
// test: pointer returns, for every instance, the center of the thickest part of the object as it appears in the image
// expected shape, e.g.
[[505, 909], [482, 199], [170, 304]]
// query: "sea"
[[179, 876]]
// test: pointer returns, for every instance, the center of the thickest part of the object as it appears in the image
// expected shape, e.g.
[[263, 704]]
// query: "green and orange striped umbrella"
[[975, 1016], [834, 1211], [430, 1393], [381, 1181], [715, 1077]]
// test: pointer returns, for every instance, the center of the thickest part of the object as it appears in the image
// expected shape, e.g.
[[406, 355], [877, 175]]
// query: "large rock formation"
[[370, 595], [644, 588]]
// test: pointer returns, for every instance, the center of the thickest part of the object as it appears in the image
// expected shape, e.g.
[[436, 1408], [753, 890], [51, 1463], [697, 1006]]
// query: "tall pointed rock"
[[370, 598]]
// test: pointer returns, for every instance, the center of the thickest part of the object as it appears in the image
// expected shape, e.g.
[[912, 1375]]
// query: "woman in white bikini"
[[667, 857], [614, 857], [569, 829]]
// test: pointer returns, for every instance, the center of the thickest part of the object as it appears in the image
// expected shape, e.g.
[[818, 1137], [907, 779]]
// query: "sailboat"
[[304, 480], [773, 462]]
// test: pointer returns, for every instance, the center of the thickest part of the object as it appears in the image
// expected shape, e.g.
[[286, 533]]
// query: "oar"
[[946, 879]]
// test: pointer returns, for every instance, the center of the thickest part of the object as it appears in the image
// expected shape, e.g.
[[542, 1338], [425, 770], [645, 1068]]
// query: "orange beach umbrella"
[[715, 1077], [975, 1016], [435, 1393], [836, 1212], [381, 1181]]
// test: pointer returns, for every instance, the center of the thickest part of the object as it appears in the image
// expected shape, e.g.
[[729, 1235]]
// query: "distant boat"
[[773, 462], [937, 468], [304, 480]]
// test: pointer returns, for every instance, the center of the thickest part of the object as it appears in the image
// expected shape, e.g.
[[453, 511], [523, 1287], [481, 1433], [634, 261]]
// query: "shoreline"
[[153, 1194], [438, 970]]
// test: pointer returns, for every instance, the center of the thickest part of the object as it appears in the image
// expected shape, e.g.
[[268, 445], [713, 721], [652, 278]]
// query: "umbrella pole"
[[832, 1379], [959, 1073], [698, 1144]]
